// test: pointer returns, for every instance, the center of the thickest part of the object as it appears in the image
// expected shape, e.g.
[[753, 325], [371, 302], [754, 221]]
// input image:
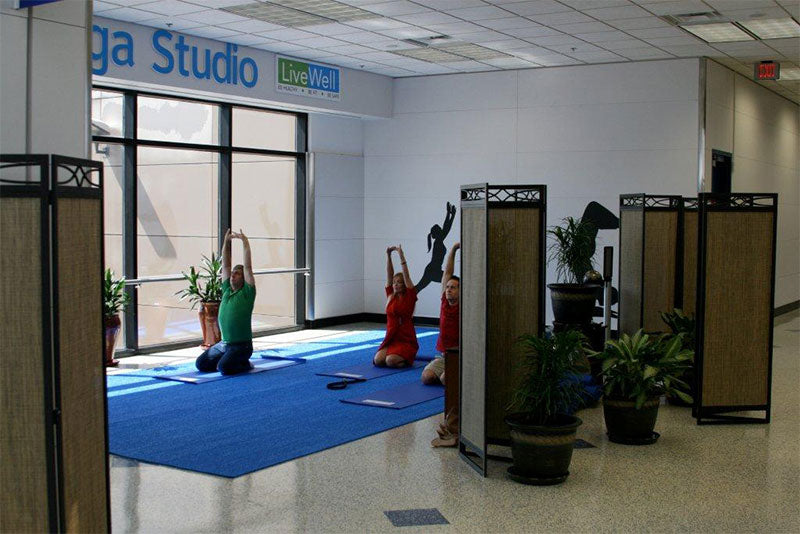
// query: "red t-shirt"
[[448, 326]]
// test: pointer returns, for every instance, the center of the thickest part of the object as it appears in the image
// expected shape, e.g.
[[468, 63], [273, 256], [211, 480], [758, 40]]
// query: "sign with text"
[[307, 79], [767, 70]]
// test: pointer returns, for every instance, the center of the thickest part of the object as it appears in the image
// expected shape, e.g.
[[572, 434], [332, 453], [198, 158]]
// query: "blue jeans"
[[227, 358]]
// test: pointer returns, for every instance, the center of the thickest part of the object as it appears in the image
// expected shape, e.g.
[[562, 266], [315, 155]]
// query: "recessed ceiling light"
[[720, 32], [473, 51], [792, 73], [773, 28]]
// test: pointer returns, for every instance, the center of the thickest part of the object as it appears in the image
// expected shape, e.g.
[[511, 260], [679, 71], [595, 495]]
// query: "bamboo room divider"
[[688, 275], [54, 474], [650, 259], [735, 306], [502, 297]]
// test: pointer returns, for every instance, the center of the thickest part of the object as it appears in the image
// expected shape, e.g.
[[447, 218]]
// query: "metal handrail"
[[173, 277]]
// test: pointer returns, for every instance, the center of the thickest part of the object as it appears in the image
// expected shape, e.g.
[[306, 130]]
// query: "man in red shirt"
[[448, 321]]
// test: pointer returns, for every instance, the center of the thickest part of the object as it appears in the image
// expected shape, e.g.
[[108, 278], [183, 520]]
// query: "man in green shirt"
[[232, 354]]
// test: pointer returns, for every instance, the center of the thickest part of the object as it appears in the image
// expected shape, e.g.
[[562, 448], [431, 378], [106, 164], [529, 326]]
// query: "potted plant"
[[684, 325], [205, 288], [636, 371], [542, 427], [572, 248], [114, 299]]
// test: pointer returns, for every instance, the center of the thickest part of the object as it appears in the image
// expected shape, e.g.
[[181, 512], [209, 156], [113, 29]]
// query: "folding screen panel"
[[504, 227], [688, 302], [650, 260], [54, 469], [735, 305]]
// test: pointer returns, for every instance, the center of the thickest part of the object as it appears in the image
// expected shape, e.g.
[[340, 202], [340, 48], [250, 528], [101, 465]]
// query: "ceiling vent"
[[702, 17]]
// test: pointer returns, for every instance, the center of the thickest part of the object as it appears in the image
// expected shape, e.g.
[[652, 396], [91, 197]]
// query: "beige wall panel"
[[23, 469], [513, 304], [473, 323], [660, 256], [81, 360], [689, 262], [737, 309], [630, 270]]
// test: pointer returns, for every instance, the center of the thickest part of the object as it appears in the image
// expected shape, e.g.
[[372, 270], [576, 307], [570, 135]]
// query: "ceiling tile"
[[399, 7], [478, 13], [252, 26], [333, 28], [362, 37], [214, 4], [99, 7], [408, 32], [562, 39], [510, 44], [481, 37], [536, 7], [318, 42], [624, 45], [602, 37], [653, 33], [510, 63], [592, 4], [347, 49], [170, 23], [170, 7], [246, 39], [645, 53], [391, 44], [213, 16], [741, 50], [380, 23], [617, 13], [447, 5], [755, 13], [555, 19], [602, 56], [456, 28], [426, 19], [508, 23], [639, 24], [287, 34], [572, 49], [375, 56], [557, 60], [694, 50], [211, 32], [280, 47], [674, 41], [584, 27], [537, 31]]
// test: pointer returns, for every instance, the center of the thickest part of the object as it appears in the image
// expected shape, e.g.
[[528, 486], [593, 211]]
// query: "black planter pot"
[[542, 454], [626, 424], [573, 303]]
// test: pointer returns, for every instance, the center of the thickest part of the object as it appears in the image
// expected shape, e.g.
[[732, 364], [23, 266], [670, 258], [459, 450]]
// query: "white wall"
[[57, 99], [336, 144], [587, 132], [762, 130]]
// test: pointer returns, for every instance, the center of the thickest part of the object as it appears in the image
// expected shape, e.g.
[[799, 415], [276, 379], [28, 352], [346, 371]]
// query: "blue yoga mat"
[[189, 374], [233, 427], [368, 371], [400, 397], [426, 336]]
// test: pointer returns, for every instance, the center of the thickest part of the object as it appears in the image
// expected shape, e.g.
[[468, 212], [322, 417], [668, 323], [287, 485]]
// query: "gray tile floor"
[[731, 478]]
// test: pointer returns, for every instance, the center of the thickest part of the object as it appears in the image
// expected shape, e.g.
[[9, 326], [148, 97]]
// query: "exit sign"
[[767, 70]]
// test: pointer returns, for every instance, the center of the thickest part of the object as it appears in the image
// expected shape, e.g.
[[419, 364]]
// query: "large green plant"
[[547, 367], [114, 296], [639, 367], [572, 248], [205, 285]]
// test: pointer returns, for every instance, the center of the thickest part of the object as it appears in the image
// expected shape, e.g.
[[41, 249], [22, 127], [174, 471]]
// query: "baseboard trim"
[[364, 318], [786, 308]]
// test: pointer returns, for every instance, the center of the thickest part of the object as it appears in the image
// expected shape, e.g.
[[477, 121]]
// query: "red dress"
[[401, 338]]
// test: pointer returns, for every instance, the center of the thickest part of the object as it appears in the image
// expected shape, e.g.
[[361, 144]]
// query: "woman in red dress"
[[399, 347]]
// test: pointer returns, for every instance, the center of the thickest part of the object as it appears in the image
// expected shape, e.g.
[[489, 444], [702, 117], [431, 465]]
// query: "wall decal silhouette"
[[602, 219], [433, 271]]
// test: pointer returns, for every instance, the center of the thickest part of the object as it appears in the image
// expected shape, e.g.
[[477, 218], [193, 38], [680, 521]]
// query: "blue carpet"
[[233, 427]]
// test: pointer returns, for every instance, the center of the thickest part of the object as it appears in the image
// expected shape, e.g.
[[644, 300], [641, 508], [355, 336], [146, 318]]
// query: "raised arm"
[[249, 278], [389, 266], [404, 264], [448, 220], [226, 256], [449, 266]]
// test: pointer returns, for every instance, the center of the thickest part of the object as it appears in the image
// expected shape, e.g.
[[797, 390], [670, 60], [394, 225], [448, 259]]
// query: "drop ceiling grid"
[[565, 31]]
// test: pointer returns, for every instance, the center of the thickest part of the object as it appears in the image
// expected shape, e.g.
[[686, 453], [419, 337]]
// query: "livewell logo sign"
[[307, 79]]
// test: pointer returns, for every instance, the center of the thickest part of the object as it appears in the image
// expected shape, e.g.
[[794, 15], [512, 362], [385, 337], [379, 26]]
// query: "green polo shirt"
[[235, 313]]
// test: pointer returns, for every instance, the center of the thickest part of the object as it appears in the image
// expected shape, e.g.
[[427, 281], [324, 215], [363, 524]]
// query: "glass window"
[[177, 225], [263, 206], [178, 121], [254, 128], [107, 113]]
